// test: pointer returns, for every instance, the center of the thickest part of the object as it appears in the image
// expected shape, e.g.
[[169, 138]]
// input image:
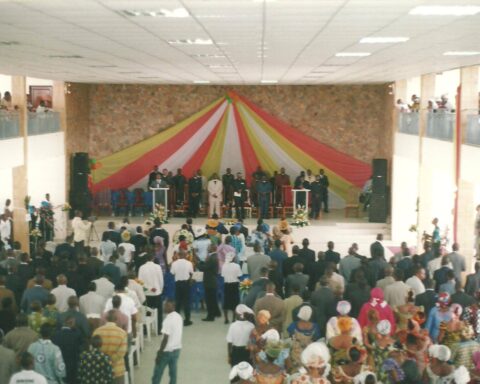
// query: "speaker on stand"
[[378, 209], [80, 197]]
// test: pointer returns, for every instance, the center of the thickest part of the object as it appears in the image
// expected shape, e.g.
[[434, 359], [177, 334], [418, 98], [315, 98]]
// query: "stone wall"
[[354, 119], [77, 107]]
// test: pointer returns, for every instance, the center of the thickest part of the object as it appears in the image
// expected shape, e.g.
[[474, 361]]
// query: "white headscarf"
[[440, 352], [271, 335], [316, 355], [461, 375], [384, 327], [243, 370], [305, 313], [344, 307], [361, 377]]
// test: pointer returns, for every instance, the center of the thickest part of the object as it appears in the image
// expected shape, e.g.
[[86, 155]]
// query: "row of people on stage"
[[232, 190]]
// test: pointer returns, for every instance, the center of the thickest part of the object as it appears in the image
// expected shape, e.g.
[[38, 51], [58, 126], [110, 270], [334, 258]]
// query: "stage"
[[331, 227]]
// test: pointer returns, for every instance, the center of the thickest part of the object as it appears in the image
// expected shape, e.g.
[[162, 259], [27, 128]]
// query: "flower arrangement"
[[159, 213], [66, 207], [300, 218], [245, 285], [35, 232], [413, 228], [230, 222], [183, 232]]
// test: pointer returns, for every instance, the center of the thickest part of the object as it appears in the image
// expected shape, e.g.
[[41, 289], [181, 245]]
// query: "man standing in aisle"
[[264, 189], [172, 330], [227, 180], [215, 193], [324, 183], [152, 276], [81, 231], [194, 194], [182, 270], [239, 191]]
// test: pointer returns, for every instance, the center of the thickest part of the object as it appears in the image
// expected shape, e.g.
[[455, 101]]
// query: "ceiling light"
[[129, 72], [383, 40], [191, 42], [314, 75], [208, 56], [461, 53], [218, 66], [65, 57], [201, 82], [328, 68], [269, 81], [9, 43], [445, 10], [175, 13], [102, 66], [352, 54], [148, 77]]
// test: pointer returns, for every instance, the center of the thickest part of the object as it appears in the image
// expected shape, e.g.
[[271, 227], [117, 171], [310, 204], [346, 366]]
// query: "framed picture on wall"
[[40, 93]]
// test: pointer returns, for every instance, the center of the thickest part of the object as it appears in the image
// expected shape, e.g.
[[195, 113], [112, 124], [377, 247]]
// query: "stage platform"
[[331, 227]]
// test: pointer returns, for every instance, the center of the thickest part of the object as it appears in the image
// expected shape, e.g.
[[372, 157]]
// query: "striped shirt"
[[114, 344]]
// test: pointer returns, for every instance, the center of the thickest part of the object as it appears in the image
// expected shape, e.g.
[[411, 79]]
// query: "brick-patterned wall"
[[77, 108], [351, 118]]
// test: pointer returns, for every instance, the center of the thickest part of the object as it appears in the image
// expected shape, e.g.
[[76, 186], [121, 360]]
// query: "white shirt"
[[133, 286], [231, 272], [416, 284], [92, 303], [182, 269], [105, 287], [239, 333], [127, 307], [5, 229], [62, 293], [106, 249], [215, 187], [201, 248], [129, 251], [152, 276], [173, 327], [27, 377], [80, 229]]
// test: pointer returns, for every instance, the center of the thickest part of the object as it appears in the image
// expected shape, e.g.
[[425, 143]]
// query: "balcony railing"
[[9, 124], [45, 122], [440, 125], [472, 136], [408, 122]]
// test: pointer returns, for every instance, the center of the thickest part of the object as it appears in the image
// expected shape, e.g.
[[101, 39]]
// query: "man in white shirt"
[[172, 330], [62, 293], [397, 293], [201, 244], [27, 374], [127, 307], [215, 193], [182, 270], [152, 276], [5, 229], [416, 281], [128, 248], [81, 231], [105, 287], [134, 286], [238, 336], [92, 303]]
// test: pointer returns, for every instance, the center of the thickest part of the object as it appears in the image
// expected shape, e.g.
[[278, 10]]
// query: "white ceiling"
[[290, 41]]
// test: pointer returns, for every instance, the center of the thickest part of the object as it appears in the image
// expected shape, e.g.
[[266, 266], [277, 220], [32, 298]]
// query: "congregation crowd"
[[70, 312]]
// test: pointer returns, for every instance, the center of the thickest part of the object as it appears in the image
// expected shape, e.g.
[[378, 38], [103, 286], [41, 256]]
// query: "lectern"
[[294, 193]]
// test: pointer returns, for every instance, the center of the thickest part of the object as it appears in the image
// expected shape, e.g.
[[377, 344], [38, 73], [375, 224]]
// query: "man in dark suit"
[[194, 194], [37, 293], [324, 184], [330, 255], [210, 271], [440, 275], [376, 248], [428, 298], [179, 182], [239, 191], [272, 304], [152, 176], [112, 232], [460, 297], [258, 288], [299, 279], [227, 180], [159, 231], [291, 261], [323, 300], [473, 281], [307, 254], [316, 270]]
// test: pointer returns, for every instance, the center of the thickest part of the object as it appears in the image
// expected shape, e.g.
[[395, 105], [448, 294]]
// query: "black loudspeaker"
[[80, 163], [377, 211], [379, 176]]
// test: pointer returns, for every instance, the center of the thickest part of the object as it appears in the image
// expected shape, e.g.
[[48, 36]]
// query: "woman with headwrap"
[[283, 357], [439, 371], [366, 377], [160, 256], [343, 309], [378, 304], [315, 359], [472, 316], [238, 336], [403, 313], [262, 325], [242, 373], [303, 332], [345, 372], [369, 333], [231, 273], [381, 345], [267, 372], [416, 342], [339, 345], [391, 370], [451, 331], [439, 314]]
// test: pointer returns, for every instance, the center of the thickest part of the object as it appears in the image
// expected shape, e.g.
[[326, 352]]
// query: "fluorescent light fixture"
[[445, 10], [269, 81], [9, 43], [191, 42], [129, 72], [174, 13], [461, 53], [209, 56], [65, 57], [383, 40], [102, 66], [328, 68], [201, 82], [352, 54], [148, 77], [219, 66]]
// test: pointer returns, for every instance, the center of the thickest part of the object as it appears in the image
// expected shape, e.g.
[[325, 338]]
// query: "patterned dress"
[[471, 316], [95, 368]]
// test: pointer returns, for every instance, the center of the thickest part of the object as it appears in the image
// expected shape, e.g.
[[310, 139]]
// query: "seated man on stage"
[[215, 196]]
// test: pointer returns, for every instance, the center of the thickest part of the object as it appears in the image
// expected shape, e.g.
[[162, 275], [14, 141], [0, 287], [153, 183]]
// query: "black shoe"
[[226, 321], [326, 211], [208, 319], [186, 323]]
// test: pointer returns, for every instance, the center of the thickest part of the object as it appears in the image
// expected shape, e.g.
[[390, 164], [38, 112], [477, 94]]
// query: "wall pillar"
[[19, 174], [469, 78]]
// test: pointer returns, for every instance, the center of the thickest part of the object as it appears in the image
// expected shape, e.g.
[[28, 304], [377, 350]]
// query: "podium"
[[294, 193], [160, 196]]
